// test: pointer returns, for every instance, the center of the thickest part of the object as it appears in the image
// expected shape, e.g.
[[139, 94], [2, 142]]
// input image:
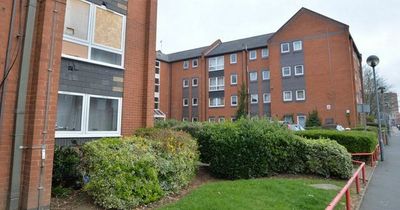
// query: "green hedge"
[[126, 172], [257, 148], [354, 141]]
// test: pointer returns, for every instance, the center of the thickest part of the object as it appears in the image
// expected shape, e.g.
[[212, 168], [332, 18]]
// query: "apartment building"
[[71, 71], [311, 62]]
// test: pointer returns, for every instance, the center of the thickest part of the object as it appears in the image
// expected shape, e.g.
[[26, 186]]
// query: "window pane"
[[103, 114], [73, 49], [69, 113], [106, 57], [108, 28], [76, 22]]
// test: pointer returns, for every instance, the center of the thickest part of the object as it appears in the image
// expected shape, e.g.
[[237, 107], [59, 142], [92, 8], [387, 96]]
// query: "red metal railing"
[[346, 188], [373, 155]]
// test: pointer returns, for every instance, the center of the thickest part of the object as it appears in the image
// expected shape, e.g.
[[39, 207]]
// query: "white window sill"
[[216, 106], [91, 61], [216, 90], [65, 134]]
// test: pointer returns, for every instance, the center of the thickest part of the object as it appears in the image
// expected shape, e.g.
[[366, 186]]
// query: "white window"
[[252, 54], [233, 58], [286, 71], [233, 119], [195, 63], [185, 119], [216, 102], [254, 98], [265, 75], [234, 100], [221, 119], [195, 82], [216, 84], [287, 95], [285, 48], [267, 98], [185, 64], [234, 79], [211, 119], [264, 52], [297, 45], [185, 102], [300, 95], [156, 103], [195, 102], [87, 31], [299, 70], [84, 115], [253, 76], [185, 83], [216, 63], [301, 120], [195, 119]]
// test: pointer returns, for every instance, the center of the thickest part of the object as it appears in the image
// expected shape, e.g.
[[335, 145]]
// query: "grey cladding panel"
[[266, 86], [254, 109], [185, 112], [83, 77], [216, 94], [267, 110], [253, 87], [216, 73], [291, 59]]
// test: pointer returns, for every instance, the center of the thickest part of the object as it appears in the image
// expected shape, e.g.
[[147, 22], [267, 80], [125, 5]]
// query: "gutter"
[[16, 166]]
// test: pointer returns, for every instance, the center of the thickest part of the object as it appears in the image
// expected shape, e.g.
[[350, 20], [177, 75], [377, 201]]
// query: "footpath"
[[383, 192]]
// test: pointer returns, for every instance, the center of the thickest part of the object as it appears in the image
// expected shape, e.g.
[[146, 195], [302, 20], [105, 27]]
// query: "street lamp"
[[373, 61]]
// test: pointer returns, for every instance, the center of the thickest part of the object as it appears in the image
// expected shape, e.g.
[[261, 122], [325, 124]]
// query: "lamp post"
[[373, 61]]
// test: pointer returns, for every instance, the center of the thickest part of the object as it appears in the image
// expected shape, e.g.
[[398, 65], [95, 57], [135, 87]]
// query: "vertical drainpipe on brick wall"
[[246, 78], [47, 106], [15, 183]]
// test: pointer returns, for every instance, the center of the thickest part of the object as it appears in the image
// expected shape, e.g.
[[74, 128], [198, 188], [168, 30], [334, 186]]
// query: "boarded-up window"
[[73, 49], [77, 19], [108, 28]]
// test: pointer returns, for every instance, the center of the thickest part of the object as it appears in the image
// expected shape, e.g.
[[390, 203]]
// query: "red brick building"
[[311, 62], [71, 70]]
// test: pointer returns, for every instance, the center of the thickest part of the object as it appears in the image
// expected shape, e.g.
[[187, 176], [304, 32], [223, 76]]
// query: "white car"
[[295, 127]]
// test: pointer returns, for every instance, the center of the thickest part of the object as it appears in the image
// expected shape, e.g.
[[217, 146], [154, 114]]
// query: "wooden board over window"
[[108, 28], [73, 49]]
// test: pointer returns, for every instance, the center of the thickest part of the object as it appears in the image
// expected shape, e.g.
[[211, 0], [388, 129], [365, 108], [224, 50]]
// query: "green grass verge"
[[269, 193]]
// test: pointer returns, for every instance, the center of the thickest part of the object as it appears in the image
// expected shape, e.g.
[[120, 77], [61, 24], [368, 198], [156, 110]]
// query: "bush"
[[177, 157], [368, 128], [66, 171], [313, 119], [124, 173], [354, 141], [257, 148]]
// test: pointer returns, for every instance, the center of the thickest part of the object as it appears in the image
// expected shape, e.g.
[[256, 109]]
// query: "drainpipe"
[[15, 184]]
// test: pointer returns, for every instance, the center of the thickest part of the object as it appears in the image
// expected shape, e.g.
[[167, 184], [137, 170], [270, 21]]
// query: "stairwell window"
[[252, 54], [233, 58], [195, 63], [234, 79], [253, 76], [264, 52], [185, 64], [92, 33], [265, 75], [234, 100]]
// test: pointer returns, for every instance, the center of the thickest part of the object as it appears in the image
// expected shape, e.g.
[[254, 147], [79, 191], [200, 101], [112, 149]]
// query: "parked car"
[[340, 128], [295, 127]]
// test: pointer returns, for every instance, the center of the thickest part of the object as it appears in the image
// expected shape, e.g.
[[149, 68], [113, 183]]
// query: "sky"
[[374, 25]]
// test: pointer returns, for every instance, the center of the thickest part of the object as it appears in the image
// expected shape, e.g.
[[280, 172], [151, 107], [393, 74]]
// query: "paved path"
[[383, 192]]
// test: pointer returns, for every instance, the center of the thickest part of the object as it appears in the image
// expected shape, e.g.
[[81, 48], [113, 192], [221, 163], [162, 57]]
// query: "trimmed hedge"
[[257, 148], [354, 141], [126, 172]]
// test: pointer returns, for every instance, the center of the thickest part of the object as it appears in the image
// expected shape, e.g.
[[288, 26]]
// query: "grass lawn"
[[267, 193]]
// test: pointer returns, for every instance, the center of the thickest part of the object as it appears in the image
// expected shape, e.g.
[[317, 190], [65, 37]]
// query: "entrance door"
[[301, 120]]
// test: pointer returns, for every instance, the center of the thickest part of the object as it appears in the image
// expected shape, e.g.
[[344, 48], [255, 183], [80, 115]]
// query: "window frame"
[[197, 63], [89, 42], [301, 45], [185, 100], [288, 46], [295, 70], [197, 119], [195, 104], [236, 76], [221, 119], [183, 83], [218, 87], [221, 105], [185, 64], [234, 96], [304, 95], [266, 101], [252, 57], [216, 67], [251, 98], [283, 71], [263, 75], [185, 119], [231, 61], [85, 118], [254, 73], [291, 95], [193, 83], [265, 52]]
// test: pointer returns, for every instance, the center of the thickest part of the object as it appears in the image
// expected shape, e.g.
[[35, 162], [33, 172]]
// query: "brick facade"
[[332, 77], [43, 86]]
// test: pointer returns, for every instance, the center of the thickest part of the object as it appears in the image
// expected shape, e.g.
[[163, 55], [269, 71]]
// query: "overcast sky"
[[374, 24]]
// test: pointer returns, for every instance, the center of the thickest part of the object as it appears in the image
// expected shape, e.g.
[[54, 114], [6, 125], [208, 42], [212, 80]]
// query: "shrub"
[[256, 148], [313, 119], [122, 172], [354, 141], [367, 128], [66, 171], [177, 156], [166, 123]]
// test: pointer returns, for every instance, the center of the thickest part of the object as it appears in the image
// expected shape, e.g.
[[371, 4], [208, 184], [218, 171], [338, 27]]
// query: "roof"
[[240, 44], [193, 53]]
